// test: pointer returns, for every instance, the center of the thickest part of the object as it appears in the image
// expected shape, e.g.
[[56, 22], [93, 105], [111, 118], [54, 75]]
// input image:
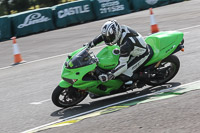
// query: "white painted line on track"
[[93, 48], [5, 67], [113, 104], [40, 102], [190, 27], [186, 32]]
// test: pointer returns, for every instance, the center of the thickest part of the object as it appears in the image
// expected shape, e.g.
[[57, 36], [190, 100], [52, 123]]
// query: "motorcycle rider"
[[134, 52]]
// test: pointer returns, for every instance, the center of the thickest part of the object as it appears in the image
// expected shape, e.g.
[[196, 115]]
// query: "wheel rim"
[[68, 97]]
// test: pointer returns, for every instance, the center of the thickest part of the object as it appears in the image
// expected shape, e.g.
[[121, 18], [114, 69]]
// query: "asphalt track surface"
[[25, 90]]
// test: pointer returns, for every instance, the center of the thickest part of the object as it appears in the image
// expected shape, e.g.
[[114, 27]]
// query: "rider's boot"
[[135, 80]]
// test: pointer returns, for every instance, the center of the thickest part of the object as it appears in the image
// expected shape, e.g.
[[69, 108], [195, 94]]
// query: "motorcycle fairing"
[[64, 84], [71, 75], [163, 44], [95, 86], [107, 58], [74, 71], [88, 85], [77, 73]]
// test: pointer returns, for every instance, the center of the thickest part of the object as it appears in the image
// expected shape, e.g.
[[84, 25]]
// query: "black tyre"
[[165, 72], [67, 97]]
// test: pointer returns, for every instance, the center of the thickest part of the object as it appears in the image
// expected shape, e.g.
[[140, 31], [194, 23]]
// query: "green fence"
[[32, 22], [174, 1], [73, 13], [108, 8], [5, 28], [63, 15], [138, 5]]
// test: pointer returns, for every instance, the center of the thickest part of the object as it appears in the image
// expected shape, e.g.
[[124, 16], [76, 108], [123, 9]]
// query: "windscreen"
[[83, 58]]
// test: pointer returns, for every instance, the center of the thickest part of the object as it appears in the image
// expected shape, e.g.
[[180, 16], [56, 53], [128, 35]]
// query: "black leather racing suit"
[[133, 52]]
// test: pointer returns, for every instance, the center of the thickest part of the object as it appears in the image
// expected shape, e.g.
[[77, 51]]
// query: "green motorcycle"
[[82, 68]]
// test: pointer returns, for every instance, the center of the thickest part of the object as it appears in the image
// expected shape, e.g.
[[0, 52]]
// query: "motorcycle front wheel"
[[167, 69], [67, 97]]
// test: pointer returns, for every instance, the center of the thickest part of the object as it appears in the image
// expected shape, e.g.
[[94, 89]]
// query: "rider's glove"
[[106, 77]]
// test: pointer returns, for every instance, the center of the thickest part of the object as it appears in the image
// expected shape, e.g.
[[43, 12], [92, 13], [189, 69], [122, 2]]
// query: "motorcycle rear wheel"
[[168, 69], [67, 97]]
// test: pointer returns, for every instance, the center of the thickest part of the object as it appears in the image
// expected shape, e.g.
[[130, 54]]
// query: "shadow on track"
[[100, 102]]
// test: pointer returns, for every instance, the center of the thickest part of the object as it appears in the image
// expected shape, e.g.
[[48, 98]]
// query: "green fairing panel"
[[77, 73], [64, 84], [90, 86], [112, 85], [107, 59], [163, 44], [94, 86]]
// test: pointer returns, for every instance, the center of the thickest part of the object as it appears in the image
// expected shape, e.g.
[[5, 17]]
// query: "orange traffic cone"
[[17, 56], [154, 26]]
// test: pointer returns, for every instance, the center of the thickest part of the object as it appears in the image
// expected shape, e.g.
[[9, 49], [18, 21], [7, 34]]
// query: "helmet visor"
[[108, 39]]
